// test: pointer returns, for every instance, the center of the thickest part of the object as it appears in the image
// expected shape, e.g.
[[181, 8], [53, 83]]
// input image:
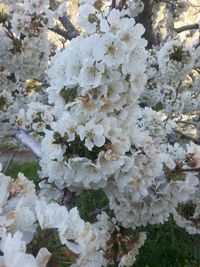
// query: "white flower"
[[110, 50], [73, 64], [112, 23], [72, 230], [36, 5], [23, 218], [51, 150], [92, 133], [87, 18], [114, 89], [90, 75], [131, 34], [174, 57], [51, 215], [89, 175], [43, 257], [66, 124], [133, 62], [13, 250], [14, 253]]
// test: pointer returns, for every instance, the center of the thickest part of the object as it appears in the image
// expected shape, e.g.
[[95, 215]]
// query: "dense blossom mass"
[[104, 116]]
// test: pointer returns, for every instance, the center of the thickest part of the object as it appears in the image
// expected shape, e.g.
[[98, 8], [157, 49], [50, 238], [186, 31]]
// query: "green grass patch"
[[88, 201], [168, 245], [28, 169]]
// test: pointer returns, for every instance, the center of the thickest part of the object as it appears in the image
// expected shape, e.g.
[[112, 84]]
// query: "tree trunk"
[[145, 19]]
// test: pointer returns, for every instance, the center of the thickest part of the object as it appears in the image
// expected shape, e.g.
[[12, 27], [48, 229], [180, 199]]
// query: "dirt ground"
[[18, 157]]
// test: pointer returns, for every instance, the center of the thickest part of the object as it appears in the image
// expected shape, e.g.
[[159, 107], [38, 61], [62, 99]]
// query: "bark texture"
[[145, 19]]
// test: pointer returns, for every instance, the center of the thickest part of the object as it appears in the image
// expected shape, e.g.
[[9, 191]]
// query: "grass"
[[166, 245], [28, 169], [88, 201], [169, 246]]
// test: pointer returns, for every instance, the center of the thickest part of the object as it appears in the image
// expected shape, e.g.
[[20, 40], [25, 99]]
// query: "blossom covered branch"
[[99, 114]]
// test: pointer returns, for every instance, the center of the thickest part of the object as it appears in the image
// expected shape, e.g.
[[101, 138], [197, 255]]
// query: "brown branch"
[[145, 18], [69, 32], [41, 180], [69, 27], [113, 4], [61, 32], [187, 28], [8, 30], [68, 199]]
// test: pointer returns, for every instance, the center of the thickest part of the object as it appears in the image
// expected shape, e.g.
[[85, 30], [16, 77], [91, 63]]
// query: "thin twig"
[[187, 28], [98, 211], [41, 180], [9, 162]]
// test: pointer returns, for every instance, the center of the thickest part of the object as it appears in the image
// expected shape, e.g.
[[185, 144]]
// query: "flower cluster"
[[113, 236], [170, 87], [23, 211], [174, 57], [96, 93], [24, 54], [13, 252], [12, 95], [101, 137]]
